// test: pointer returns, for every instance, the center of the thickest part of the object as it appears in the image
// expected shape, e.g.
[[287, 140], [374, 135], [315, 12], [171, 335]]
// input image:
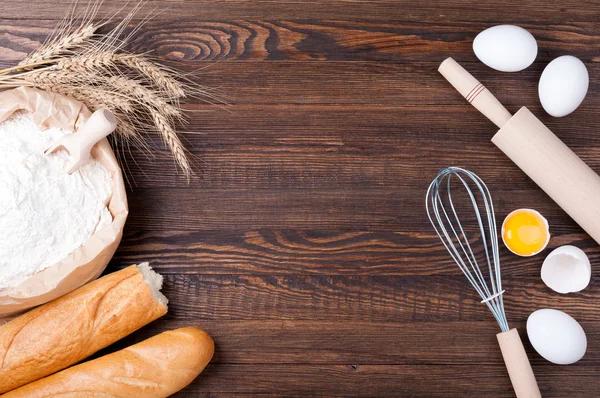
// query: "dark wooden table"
[[303, 248]]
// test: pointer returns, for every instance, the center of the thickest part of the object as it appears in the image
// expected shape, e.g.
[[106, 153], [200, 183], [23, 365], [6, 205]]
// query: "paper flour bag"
[[87, 262]]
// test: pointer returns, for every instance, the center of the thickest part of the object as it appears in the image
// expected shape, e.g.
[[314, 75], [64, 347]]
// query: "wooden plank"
[[309, 40], [368, 83], [340, 298], [385, 381], [394, 150], [381, 209], [306, 163], [516, 11], [315, 342], [199, 39], [378, 127], [286, 252], [291, 357]]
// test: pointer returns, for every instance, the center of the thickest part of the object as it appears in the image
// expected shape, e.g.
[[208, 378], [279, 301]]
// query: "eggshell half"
[[563, 85], [556, 336], [567, 269], [507, 48]]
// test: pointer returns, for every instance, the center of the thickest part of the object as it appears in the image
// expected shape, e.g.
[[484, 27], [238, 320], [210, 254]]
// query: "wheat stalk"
[[92, 68]]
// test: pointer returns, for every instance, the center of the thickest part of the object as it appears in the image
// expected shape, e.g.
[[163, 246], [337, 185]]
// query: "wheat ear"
[[159, 76], [61, 44], [172, 140], [134, 89], [107, 60], [87, 61]]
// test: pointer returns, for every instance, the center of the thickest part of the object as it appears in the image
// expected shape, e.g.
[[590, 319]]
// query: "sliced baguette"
[[155, 368], [73, 327]]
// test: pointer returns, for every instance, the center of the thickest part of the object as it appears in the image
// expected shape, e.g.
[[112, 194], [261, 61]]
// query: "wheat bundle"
[[96, 70]]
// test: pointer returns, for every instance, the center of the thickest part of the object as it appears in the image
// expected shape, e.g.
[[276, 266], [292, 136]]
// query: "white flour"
[[45, 214]]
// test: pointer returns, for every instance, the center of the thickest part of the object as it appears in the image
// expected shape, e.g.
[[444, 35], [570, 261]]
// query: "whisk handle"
[[517, 364], [474, 92]]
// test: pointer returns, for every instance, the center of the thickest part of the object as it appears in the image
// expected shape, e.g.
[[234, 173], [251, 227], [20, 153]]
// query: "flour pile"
[[45, 213]]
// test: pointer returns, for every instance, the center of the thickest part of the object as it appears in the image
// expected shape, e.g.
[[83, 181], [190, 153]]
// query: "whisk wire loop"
[[444, 217]]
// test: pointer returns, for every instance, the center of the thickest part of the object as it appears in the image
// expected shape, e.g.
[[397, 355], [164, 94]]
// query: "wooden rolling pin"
[[571, 183]]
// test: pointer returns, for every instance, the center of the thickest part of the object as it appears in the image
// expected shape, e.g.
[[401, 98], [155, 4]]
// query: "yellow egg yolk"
[[525, 232]]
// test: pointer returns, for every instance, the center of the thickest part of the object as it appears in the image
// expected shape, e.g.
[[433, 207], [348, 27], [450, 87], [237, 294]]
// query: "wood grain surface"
[[303, 246]]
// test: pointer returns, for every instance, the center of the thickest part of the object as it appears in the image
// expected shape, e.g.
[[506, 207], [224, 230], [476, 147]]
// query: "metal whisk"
[[443, 215], [447, 225]]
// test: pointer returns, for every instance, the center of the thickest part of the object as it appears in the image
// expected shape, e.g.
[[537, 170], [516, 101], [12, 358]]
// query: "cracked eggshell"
[[566, 270]]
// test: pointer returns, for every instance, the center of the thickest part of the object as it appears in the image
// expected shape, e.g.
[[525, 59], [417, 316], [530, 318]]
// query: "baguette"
[[155, 368], [73, 327]]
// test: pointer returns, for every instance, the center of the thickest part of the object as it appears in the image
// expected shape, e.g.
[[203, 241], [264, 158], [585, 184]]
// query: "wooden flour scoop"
[[80, 143], [537, 151]]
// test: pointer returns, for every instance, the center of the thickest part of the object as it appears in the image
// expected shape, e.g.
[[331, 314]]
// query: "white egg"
[[567, 269], [506, 48], [556, 336], [563, 85]]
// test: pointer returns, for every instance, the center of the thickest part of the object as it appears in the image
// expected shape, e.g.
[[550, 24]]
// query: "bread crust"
[[155, 368], [71, 328]]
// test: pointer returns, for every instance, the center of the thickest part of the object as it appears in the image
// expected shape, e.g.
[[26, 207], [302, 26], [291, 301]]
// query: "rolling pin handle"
[[474, 92]]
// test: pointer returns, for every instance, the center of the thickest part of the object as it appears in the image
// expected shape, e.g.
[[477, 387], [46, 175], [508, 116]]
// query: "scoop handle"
[[99, 125], [474, 92], [517, 364]]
